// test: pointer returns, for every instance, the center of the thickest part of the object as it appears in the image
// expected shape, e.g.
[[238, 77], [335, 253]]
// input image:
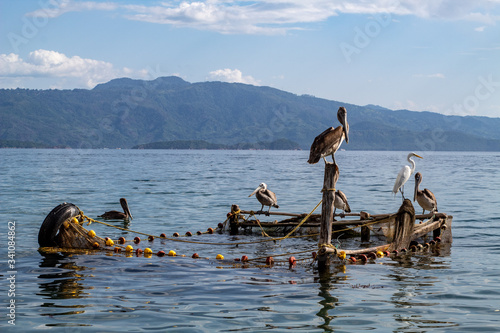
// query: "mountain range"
[[169, 112]]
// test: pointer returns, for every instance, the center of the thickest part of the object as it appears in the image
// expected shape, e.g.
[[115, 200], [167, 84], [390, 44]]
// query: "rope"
[[293, 230], [234, 213], [90, 220], [320, 246], [171, 239], [304, 220], [279, 255], [327, 245], [258, 223]]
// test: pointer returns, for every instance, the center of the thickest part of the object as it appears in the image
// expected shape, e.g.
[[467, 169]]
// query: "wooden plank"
[[248, 212], [441, 226], [330, 250], [372, 217], [277, 225], [425, 228]]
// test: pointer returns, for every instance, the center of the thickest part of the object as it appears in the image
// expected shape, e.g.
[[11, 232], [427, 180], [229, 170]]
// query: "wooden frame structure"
[[399, 228]]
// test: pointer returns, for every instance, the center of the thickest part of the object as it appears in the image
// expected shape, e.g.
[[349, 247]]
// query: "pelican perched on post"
[[116, 215], [341, 202], [425, 197], [328, 142], [404, 174], [265, 197]]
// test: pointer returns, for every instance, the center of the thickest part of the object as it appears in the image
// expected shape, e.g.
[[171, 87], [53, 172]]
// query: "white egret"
[[404, 175]]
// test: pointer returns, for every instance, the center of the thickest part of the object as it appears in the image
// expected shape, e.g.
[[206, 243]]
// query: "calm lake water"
[[455, 289]]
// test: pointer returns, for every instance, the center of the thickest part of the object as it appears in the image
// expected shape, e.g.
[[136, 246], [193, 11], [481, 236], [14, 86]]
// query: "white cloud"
[[276, 16], [485, 18], [231, 75], [52, 9], [405, 105], [480, 29], [44, 63], [414, 106]]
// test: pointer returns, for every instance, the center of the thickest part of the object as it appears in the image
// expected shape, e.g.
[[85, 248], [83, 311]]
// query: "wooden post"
[[446, 236], [365, 234], [405, 221], [233, 220], [325, 232]]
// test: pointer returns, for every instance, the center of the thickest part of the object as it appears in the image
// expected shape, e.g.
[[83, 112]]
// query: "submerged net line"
[[281, 255], [91, 220], [269, 239]]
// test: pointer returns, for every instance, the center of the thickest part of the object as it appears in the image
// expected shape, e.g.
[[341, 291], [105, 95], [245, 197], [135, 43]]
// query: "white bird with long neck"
[[404, 174]]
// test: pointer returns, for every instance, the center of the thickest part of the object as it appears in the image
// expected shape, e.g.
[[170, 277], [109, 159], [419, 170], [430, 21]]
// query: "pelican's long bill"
[[124, 204], [345, 126], [418, 180], [255, 191], [127, 211], [416, 189]]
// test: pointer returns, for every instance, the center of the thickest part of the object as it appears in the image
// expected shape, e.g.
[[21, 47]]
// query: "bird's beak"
[[415, 192], [126, 209], [418, 156], [346, 131], [258, 188], [345, 125]]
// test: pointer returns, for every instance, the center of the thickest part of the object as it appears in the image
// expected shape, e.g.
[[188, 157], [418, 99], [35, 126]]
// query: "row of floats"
[[269, 261]]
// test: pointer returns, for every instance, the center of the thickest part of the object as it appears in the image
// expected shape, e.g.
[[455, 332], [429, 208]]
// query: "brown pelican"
[[341, 202], [328, 142], [404, 175], [265, 197], [425, 197], [116, 215]]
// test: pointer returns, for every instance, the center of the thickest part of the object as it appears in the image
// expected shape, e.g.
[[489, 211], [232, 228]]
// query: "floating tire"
[[53, 221]]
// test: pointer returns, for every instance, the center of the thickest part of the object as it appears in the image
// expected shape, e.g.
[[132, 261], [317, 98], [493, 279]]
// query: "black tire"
[[53, 221]]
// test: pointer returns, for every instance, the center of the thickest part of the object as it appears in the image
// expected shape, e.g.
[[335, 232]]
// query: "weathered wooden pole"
[[233, 219], [325, 232], [365, 234], [445, 231], [404, 224]]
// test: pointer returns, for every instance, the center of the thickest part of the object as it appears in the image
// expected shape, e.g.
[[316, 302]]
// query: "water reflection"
[[411, 281], [61, 279], [328, 281], [414, 281], [65, 279]]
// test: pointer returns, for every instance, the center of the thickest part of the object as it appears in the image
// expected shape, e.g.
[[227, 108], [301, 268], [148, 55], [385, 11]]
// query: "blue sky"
[[423, 55]]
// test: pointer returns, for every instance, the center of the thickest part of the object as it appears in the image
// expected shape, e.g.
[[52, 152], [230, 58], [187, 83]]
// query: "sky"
[[422, 55]]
